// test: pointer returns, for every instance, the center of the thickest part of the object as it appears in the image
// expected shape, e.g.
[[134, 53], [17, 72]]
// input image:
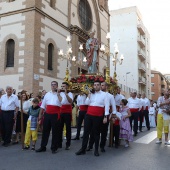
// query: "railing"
[[142, 52], [142, 80], [141, 27], [142, 66]]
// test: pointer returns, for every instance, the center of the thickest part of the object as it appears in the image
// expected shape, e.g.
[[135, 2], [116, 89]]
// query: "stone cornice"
[[37, 10], [78, 31]]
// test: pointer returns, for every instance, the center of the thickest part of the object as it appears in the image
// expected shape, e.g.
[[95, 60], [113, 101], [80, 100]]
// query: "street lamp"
[[68, 54], [116, 60], [106, 51], [81, 61]]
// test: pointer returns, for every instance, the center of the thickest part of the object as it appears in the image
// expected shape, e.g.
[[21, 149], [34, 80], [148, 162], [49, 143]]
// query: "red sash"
[[83, 107], [116, 122], [95, 110], [146, 108], [132, 110], [51, 109], [66, 109], [141, 109]]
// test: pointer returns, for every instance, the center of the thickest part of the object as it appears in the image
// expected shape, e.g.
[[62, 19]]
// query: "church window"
[[50, 56], [10, 49], [85, 14]]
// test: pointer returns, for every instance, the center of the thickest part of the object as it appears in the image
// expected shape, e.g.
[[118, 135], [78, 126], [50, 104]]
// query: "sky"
[[156, 18]]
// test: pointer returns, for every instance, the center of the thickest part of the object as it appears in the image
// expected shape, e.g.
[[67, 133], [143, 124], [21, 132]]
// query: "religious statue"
[[92, 47]]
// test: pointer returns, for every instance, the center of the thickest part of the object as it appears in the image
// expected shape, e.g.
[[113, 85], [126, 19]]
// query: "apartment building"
[[133, 41], [159, 83]]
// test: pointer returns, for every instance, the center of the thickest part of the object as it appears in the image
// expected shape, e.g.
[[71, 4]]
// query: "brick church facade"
[[33, 31]]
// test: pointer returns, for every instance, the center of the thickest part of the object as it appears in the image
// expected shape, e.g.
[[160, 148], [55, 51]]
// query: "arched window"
[[85, 14], [10, 49], [50, 56]]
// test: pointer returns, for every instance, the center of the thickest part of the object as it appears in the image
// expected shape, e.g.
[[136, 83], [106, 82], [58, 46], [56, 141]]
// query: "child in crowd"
[[31, 131], [115, 118], [125, 129], [152, 114]]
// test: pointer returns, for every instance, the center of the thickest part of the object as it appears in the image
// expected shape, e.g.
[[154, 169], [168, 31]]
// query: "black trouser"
[[146, 114], [65, 118], [116, 132], [7, 125], [50, 122], [91, 125], [140, 119], [134, 117], [80, 121], [103, 131]]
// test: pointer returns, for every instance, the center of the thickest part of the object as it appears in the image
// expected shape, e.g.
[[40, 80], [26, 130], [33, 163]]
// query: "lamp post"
[[81, 61], [106, 51], [116, 59], [68, 54], [126, 77]]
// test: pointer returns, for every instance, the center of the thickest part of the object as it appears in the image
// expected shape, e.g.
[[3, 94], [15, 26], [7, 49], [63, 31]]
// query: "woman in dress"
[[152, 112], [26, 105], [125, 129]]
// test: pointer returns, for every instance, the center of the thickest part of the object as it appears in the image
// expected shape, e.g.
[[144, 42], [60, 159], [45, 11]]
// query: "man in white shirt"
[[98, 105], [82, 107], [51, 105], [141, 114], [146, 110], [66, 114], [134, 106], [118, 98], [104, 126], [9, 105]]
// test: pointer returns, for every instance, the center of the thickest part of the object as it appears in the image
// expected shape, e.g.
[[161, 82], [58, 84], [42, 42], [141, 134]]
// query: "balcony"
[[142, 67], [142, 81], [141, 28], [141, 41], [141, 54]]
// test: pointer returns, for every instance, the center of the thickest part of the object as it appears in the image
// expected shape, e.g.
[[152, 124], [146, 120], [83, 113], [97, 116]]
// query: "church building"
[[32, 32]]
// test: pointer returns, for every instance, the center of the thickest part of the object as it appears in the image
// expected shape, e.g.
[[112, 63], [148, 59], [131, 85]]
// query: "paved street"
[[143, 154]]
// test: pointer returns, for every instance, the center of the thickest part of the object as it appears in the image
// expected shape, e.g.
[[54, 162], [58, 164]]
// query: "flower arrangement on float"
[[84, 83]]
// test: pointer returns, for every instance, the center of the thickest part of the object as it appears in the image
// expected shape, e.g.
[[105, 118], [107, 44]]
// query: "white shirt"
[[159, 101], [119, 115], [9, 103], [111, 102], [64, 98], [146, 102], [152, 110], [50, 98], [81, 99], [142, 103], [134, 103], [98, 99], [118, 98], [25, 105]]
